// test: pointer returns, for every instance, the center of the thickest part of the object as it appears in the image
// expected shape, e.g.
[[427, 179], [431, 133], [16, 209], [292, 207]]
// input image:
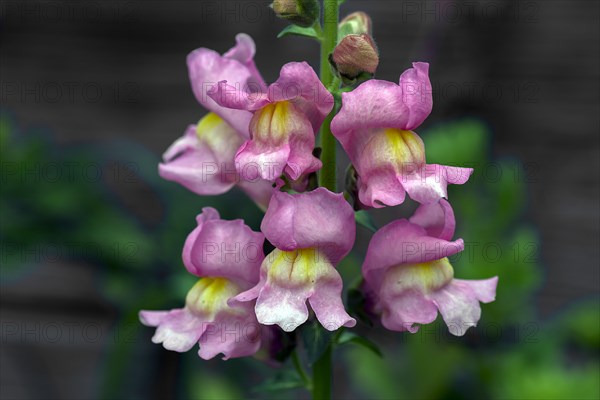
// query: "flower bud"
[[300, 12], [354, 55], [356, 23]]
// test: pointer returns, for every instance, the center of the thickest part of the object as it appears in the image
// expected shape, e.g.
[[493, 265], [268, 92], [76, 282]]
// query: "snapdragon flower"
[[202, 160], [375, 127], [408, 277], [312, 232], [227, 256], [286, 119]]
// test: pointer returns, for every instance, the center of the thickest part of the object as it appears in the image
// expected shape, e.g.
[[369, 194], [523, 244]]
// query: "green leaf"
[[364, 218], [350, 337], [299, 31], [284, 380], [316, 339]]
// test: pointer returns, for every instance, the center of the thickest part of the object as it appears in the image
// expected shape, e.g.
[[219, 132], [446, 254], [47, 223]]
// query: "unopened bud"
[[356, 23], [355, 55], [300, 12]]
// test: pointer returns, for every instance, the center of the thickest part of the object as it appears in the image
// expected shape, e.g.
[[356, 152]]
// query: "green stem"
[[321, 382], [300, 369], [322, 376], [327, 176]]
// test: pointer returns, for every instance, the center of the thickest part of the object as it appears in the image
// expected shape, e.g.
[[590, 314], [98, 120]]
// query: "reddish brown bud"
[[354, 55]]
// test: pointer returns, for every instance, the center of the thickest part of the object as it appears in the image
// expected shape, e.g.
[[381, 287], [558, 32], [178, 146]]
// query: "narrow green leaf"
[[284, 380], [350, 337], [364, 218], [316, 339], [299, 31]]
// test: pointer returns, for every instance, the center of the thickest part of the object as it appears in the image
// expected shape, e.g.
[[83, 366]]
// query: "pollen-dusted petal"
[[319, 219], [207, 68], [437, 219], [220, 248]]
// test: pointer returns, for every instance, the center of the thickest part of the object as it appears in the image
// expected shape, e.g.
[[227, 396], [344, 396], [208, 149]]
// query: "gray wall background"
[[529, 68]]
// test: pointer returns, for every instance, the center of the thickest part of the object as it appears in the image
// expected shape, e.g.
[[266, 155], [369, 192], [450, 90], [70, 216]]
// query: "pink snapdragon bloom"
[[408, 277], [312, 232], [227, 255], [286, 119], [375, 127], [202, 160]]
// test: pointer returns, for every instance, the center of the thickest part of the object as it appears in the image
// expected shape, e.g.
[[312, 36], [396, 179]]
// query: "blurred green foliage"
[[511, 354]]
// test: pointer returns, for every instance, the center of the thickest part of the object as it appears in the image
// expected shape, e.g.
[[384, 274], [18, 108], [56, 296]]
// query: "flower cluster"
[[261, 138]]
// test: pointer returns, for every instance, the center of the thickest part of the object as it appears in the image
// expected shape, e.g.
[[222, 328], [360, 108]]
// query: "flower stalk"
[[322, 367], [327, 176]]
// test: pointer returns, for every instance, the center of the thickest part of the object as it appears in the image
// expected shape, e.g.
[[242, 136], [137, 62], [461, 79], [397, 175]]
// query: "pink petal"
[[288, 280], [319, 219], [230, 95], [429, 184], [299, 82], [401, 312], [207, 68], [458, 302], [436, 218], [417, 93], [203, 170], [326, 301], [244, 52], [219, 248], [380, 189], [255, 161], [259, 190], [382, 104], [400, 243], [178, 330], [282, 139], [232, 333], [301, 162], [283, 306]]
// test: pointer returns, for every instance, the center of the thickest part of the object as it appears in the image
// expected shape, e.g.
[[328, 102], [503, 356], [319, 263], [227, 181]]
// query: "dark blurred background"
[[94, 91]]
